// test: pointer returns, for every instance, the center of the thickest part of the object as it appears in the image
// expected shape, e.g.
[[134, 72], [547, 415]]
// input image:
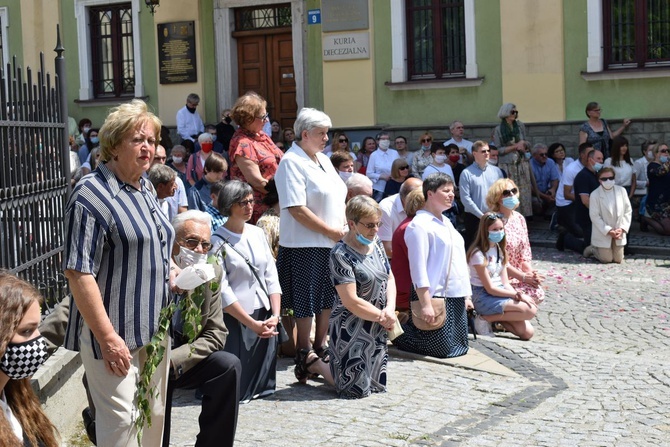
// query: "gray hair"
[[205, 136], [383, 133], [538, 146], [193, 97], [506, 110], [358, 182], [160, 174], [362, 206], [190, 215], [452, 126], [232, 192], [434, 181], [309, 119], [177, 148]]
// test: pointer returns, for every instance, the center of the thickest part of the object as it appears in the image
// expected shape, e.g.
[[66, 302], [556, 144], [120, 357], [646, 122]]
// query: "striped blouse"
[[119, 235]]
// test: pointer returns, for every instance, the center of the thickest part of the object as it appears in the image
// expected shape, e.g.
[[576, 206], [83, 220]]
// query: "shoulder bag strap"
[[253, 268]]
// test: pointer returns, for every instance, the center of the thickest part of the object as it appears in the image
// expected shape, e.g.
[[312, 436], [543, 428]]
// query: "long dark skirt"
[[257, 355], [449, 341]]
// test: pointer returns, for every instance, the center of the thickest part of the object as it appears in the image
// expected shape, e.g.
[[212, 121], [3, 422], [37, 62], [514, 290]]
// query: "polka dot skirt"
[[304, 276]]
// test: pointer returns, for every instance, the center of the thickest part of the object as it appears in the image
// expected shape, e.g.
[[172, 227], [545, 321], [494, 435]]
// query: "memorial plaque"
[[176, 52], [344, 15]]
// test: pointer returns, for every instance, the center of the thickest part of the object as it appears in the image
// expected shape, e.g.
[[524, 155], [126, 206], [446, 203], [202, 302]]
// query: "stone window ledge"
[[434, 84], [106, 102], [636, 73]]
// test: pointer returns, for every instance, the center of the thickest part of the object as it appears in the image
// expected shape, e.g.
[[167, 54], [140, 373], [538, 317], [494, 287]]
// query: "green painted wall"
[[208, 76], [14, 34], [440, 106], [314, 78], [628, 98]]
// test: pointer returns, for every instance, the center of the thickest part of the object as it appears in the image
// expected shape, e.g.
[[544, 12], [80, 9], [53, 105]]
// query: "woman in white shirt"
[[622, 164], [312, 220], [250, 291], [439, 271], [23, 351]]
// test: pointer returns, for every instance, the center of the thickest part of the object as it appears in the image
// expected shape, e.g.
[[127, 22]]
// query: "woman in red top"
[[254, 157]]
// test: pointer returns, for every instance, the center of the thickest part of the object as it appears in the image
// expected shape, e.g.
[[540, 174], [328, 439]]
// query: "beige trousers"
[[114, 397], [607, 255]]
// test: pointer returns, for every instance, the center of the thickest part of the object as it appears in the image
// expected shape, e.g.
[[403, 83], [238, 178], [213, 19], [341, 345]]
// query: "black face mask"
[[191, 109], [228, 120]]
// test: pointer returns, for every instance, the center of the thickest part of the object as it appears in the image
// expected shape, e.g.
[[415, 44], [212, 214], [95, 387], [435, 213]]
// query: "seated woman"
[[23, 351], [400, 260], [365, 306], [250, 291], [610, 212], [503, 197], [657, 209], [399, 173], [557, 153], [438, 271], [492, 295]]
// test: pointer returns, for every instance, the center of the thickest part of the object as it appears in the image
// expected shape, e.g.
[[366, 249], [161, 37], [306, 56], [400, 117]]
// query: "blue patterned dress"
[[358, 353]]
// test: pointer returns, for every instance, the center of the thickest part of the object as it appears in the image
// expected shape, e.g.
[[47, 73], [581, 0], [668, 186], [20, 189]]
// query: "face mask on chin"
[[344, 175]]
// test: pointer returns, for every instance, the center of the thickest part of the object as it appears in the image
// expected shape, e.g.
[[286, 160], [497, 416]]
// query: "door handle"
[[287, 76]]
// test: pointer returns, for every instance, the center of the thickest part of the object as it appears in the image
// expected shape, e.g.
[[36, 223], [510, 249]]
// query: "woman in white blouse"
[[250, 291], [439, 270], [622, 164]]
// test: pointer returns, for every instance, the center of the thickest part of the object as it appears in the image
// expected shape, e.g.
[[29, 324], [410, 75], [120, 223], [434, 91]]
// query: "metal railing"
[[34, 175]]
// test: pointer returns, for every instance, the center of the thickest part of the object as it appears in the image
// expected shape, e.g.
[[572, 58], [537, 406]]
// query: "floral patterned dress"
[[518, 251], [260, 149]]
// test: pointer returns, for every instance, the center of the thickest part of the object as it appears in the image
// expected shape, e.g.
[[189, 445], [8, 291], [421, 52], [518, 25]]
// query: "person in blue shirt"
[[546, 177]]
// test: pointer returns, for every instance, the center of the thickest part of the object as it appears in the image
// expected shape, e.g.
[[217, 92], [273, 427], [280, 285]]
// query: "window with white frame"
[[433, 40], [109, 49]]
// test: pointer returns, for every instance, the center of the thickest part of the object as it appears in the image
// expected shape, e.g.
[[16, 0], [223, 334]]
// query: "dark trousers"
[[565, 215], [471, 225], [218, 377]]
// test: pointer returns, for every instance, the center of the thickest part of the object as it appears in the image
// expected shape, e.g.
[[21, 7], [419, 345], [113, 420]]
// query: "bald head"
[[408, 186]]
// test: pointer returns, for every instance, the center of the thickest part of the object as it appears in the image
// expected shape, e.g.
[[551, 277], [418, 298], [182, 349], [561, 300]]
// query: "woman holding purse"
[[440, 295]]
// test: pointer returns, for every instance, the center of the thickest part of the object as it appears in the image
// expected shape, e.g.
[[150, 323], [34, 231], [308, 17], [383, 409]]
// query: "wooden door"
[[265, 65]]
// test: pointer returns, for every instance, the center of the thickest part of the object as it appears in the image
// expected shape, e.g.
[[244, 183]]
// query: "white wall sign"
[[347, 46]]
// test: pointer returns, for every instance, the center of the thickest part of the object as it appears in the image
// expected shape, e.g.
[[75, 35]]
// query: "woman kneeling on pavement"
[[365, 306], [492, 295], [439, 277]]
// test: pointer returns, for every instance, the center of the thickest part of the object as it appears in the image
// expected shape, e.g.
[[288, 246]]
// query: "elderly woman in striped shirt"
[[117, 262]]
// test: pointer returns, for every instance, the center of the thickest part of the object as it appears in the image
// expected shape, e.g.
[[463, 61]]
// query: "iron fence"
[[34, 175]]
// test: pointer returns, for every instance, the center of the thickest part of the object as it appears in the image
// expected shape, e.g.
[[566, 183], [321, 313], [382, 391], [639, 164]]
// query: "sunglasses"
[[494, 216], [603, 179], [514, 112], [371, 226], [509, 192], [343, 140], [426, 140], [663, 151], [484, 151], [192, 244], [403, 167]]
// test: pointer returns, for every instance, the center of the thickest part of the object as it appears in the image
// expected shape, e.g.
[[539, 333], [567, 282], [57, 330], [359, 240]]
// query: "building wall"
[[14, 32], [314, 78]]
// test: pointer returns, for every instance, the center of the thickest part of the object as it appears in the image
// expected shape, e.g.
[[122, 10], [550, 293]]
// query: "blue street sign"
[[314, 16]]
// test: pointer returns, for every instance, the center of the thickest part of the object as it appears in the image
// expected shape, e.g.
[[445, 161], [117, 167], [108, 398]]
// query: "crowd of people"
[[258, 228]]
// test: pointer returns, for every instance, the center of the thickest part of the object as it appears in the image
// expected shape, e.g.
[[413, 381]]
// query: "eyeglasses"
[[371, 226], [403, 167], [244, 203], [343, 140], [544, 154], [494, 216], [264, 117], [426, 140], [603, 179], [509, 192], [192, 244], [139, 141]]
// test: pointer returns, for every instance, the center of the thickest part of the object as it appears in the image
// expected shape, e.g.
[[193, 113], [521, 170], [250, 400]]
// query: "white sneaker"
[[483, 327]]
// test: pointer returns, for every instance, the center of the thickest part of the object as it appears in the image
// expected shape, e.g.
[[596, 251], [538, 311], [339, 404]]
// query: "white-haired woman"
[[196, 162], [311, 199], [250, 291], [514, 152]]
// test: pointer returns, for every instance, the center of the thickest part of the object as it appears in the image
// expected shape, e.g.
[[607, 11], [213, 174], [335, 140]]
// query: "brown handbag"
[[439, 307]]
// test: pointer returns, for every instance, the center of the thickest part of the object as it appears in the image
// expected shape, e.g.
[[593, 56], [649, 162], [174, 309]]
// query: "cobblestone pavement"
[[596, 374]]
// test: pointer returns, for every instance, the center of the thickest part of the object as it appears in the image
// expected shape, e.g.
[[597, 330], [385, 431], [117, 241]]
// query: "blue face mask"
[[496, 236], [510, 202], [527, 155], [95, 140], [362, 239], [597, 167], [664, 158]]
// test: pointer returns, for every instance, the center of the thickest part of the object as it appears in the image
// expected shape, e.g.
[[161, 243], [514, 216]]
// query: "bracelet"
[[275, 315]]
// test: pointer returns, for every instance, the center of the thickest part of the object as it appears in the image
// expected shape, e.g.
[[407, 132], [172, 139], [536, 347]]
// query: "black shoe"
[[89, 424], [198, 394], [560, 242]]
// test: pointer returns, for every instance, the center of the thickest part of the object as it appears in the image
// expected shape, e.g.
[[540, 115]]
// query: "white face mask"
[[188, 257], [345, 175], [384, 144], [493, 161], [440, 159], [177, 159], [650, 155], [608, 184]]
